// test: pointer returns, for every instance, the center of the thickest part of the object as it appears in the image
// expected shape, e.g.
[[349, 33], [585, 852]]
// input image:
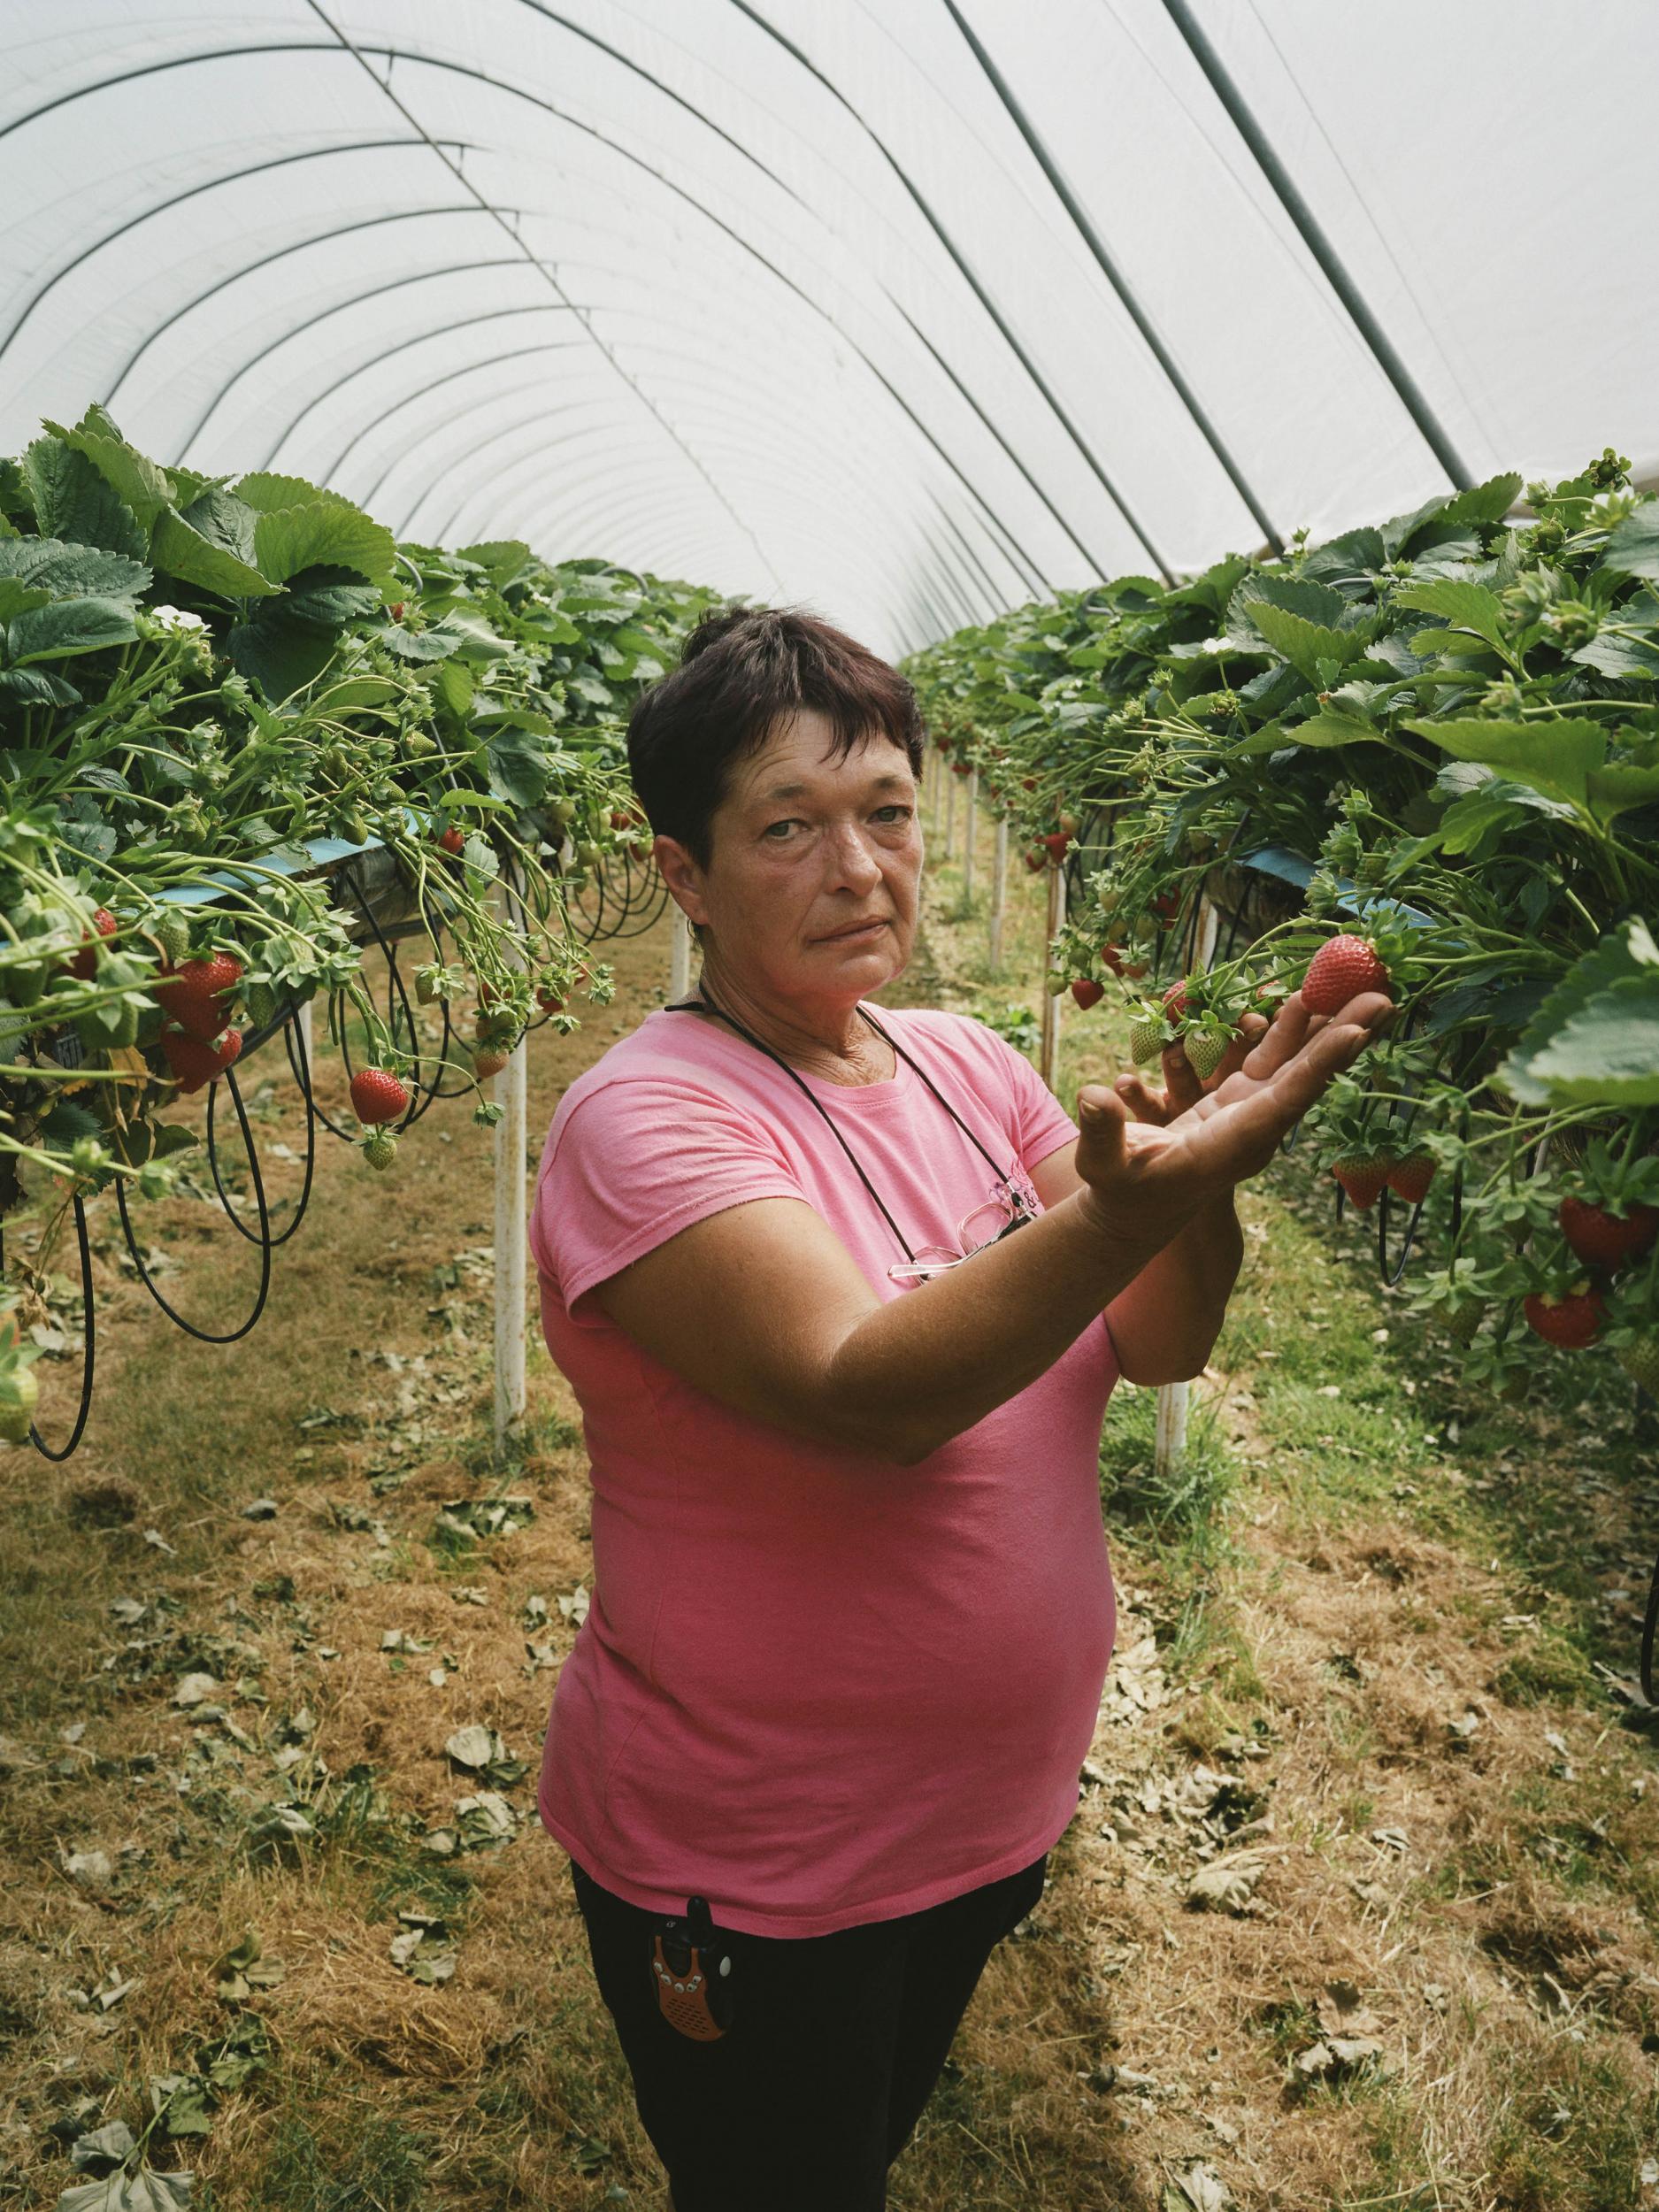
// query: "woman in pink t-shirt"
[[842, 1293]]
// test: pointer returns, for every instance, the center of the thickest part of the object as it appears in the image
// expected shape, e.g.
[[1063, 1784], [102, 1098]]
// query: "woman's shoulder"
[[962, 1036], [674, 1053]]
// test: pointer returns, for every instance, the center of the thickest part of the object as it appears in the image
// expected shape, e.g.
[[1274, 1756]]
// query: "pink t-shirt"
[[813, 1687]]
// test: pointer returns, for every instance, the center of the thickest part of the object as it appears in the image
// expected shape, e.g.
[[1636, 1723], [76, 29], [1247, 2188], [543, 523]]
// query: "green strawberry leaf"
[[73, 502]]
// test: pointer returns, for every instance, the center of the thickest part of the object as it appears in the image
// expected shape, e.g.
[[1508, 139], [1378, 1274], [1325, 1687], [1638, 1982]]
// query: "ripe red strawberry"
[[550, 1002], [1411, 1177], [1034, 858], [194, 1061], [1361, 1175], [1571, 1318], [1028, 783], [1087, 993], [1167, 906], [452, 840], [1057, 840], [85, 964], [489, 1063], [1340, 970], [960, 768], [198, 995], [1175, 1000], [377, 1095], [395, 610], [1640, 1361], [1600, 1239]]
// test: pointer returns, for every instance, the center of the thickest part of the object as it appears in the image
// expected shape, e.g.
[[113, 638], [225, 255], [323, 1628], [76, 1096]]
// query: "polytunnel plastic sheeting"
[[907, 312]]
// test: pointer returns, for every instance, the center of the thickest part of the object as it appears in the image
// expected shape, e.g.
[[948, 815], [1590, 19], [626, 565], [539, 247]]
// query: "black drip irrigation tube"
[[641, 900]]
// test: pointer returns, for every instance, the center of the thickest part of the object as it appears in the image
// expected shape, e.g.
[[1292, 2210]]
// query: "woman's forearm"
[[1166, 1323], [926, 1366]]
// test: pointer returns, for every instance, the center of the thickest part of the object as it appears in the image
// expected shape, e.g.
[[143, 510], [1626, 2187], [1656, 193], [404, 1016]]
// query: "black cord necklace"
[[704, 1005]]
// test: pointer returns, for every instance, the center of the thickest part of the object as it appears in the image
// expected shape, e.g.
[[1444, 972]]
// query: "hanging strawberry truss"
[[243, 734]]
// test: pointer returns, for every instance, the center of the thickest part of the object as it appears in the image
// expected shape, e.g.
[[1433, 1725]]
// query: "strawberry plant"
[[1422, 758], [237, 721]]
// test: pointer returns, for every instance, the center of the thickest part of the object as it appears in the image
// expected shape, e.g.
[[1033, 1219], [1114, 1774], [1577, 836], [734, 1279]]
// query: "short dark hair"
[[742, 671]]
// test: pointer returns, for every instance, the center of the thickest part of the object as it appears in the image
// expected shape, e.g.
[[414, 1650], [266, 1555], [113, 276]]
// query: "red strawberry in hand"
[[195, 1061], [1600, 1239], [198, 995], [1570, 1318], [1087, 993], [1340, 970], [377, 1095]]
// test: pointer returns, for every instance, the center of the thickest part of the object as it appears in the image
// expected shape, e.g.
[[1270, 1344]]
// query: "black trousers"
[[833, 2045]]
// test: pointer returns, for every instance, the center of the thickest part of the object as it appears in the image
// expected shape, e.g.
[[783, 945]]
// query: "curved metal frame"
[[441, 330], [252, 268], [194, 191], [309, 46], [786, 460]]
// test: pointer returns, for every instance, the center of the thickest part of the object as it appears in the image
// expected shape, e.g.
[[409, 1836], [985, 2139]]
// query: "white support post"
[[950, 811], [1050, 1056], [999, 892], [679, 955], [509, 1211], [303, 1030], [1173, 1398], [967, 847]]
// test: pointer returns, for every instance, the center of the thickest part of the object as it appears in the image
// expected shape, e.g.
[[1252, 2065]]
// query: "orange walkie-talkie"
[[693, 1972]]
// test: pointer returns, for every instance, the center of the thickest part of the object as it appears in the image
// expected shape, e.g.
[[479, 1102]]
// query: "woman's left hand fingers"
[[1144, 1103]]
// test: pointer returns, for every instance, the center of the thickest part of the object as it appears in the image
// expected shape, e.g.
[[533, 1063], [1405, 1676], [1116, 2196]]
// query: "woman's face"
[[811, 888]]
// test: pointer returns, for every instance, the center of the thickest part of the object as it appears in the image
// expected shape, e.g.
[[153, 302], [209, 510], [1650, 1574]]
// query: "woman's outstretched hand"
[[1151, 1160]]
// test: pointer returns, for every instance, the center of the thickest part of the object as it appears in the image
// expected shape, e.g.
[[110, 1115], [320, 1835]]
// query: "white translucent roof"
[[908, 311]]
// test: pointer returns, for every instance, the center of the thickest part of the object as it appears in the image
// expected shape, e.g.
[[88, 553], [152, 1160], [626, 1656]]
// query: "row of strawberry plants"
[[202, 682], [1449, 725]]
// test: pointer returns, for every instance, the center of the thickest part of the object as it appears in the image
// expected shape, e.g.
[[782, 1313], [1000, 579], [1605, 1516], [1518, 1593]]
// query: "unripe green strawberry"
[[1146, 1037], [262, 1003], [380, 1147], [19, 1394], [1640, 1361], [1205, 1048], [171, 932], [1463, 1321]]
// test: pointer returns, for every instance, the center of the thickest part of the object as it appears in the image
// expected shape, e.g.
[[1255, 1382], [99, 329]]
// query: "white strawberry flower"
[[177, 619]]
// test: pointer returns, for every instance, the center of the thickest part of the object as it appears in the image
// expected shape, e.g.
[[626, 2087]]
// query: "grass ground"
[[1371, 1684]]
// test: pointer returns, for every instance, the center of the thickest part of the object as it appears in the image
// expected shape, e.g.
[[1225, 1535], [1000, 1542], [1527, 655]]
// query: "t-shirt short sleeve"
[[635, 1162], [1040, 1124]]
